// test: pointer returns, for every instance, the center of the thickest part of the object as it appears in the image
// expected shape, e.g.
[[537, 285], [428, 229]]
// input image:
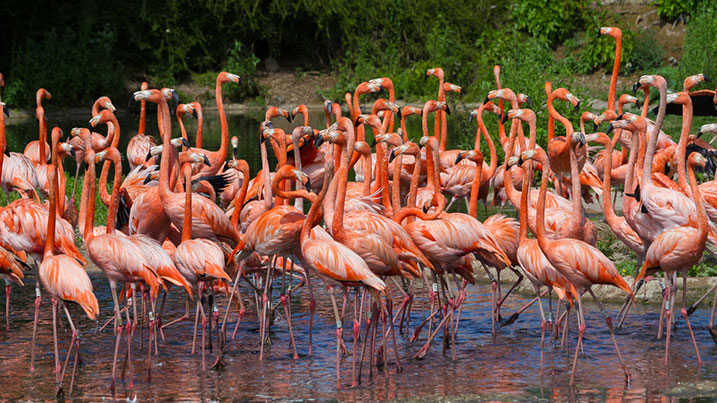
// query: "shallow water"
[[504, 368]]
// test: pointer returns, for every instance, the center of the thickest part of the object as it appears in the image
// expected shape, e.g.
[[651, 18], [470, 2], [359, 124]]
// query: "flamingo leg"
[[265, 306], [75, 339], [608, 322], [7, 304], [338, 339], [581, 332], [151, 334], [343, 318], [142, 314], [58, 380], [369, 323], [282, 297], [543, 323], [118, 331], [692, 308], [204, 331], [710, 326], [130, 336], [512, 318], [159, 315], [196, 320], [355, 330], [389, 308], [520, 278], [38, 299], [312, 308], [622, 314], [668, 313], [179, 319], [687, 317]]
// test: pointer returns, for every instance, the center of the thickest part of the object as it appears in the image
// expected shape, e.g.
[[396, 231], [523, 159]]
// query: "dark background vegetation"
[[80, 49]]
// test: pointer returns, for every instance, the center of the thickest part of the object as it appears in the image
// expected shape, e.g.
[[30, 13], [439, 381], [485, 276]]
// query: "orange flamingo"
[[64, 278], [581, 263]]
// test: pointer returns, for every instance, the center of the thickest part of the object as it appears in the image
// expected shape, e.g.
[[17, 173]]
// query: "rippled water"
[[505, 367]]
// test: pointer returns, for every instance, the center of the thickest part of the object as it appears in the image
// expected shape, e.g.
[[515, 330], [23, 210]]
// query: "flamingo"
[[335, 264], [64, 278], [675, 251], [198, 260], [581, 263], [140, 143]]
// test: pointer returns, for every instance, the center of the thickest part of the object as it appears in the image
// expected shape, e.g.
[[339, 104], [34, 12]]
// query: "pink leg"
[[581, 332], [668, 315], [7, 306], [38, 299], [339, 330], [687, 317], [312, 307], [58, 381]]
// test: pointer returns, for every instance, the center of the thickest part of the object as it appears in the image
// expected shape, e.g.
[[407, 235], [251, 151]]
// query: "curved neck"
[[52, 217], [415, 178], [241, 196], [114, 200], [540, 219], [268, 202], [200, 126], [652, 141], [682, 146], [167, 159], [510, 191], [91, 191], [615, 71], [142, 116], [312, 218], [701, 214], [475, 187], [525, 190], [576, 198], [187, 223], [337, 226], [396, 190], [560, 118], [115, 134], [630, 172], [607, 206], [299, 201], [646, 103], [416, 212], [224, 147], [180, 123], [43, 135]]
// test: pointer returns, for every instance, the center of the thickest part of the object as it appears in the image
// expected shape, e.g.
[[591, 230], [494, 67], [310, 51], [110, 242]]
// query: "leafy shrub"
[[670, 10], [552, 20], [647, 53], [700, 46], [74, 64]]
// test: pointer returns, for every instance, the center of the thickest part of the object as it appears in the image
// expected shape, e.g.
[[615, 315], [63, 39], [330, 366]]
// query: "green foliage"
[[553, 20], [700, 47], [242, 61], [75, 64], [670, 10], [647, 54]]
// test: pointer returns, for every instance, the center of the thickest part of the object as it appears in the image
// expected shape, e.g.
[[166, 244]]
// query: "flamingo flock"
[[200, 222]]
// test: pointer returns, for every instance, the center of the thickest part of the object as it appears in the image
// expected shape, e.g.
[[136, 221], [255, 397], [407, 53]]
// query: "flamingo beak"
[[72, 152], [206, 161], [448, 110], [707, 79], [235, 152], [319, 141], [194, 113], [149, 155], [638, 104], [147, 179], [185, 142], [635, 87], [486, 100], [504, 119], [470, 117], [609, 129], [459, 158], [529, 102], [577, 107], [6, 110], [392, 156]]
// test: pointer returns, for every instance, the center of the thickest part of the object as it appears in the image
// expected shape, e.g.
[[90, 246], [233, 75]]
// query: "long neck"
[[298, 194], [200, 126], [106, 166], [241, 196], [576, 196], [615, 71], [342, 173], [403, 128], [299, 201], [142, 116], [682, 146], [560, 118], [3, 138], [182, 129], [187, 223], [646, 103], [415, 178], [525, 190], [396, 190], [43, 135], [699, 203], [607, 206], [652, 142], [437, 127], [167, 157], [540, 219], [312, 218], [52, 217], [267, 176], [224, 147], [91, 191], [475, 187], [630, 172], [510, 191], [114, 200]]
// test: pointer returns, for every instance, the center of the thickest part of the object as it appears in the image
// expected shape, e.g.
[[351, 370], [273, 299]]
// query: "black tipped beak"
[[147, 179], [235, 152], [357, 122], [528, 101], [269, 125], [131, 102], [620, 117], [206, 161], [381, 90], [262, 139], [149, 155], [194, 113], [599, 34], [175, 97], [699, 134], [582, 139], [520, 161], [425, 209], [609, 129], [398, 113], [448, 110], [374, 142], [707, 79], [73, 153], [635, 87], [595, 126], [638, 104], [185, 142], [6, 110], [319, 141], [470, 117], [425, 77], [485, 101], [289, 117], [459, 158], [392, 156], [308, 183], [504, 119], [577, 107]]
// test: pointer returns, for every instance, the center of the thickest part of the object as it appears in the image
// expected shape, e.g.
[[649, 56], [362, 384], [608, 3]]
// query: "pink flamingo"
[[140, 143], [37, 149]]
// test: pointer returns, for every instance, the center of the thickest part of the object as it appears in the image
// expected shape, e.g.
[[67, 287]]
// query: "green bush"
[[647, 54], [552, 20], [670, 10], [700, 47], [75, 64]]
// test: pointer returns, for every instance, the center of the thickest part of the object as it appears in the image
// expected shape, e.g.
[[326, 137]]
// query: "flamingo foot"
[[713, 333], [510, 320]]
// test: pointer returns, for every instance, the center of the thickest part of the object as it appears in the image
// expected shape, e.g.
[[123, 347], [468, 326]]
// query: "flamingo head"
[[524, 99], [104, 116], [692, 81], [697, 160], [5, 109], [615, 32], [225, 77], [708, 128]]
